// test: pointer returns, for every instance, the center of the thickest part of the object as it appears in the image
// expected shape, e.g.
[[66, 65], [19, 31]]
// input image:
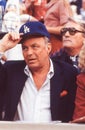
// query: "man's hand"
[[9, 41]]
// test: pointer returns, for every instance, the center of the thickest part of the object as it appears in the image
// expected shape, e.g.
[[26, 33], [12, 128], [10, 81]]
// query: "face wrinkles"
[[73, 41], [35, 52]]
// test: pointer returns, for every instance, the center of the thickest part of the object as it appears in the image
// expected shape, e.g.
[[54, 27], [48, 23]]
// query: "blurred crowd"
[[14, 13]]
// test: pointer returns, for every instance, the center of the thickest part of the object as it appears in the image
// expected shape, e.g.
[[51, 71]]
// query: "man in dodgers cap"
[[33, 29], [36, 89]]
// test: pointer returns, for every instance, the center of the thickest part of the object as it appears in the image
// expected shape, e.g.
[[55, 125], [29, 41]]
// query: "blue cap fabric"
[[33, 28]]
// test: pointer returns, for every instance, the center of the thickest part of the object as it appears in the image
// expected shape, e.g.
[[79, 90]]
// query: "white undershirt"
[[34, 105]]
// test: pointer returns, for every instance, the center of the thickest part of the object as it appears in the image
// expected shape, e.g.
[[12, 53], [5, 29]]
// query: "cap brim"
[[25, 37]]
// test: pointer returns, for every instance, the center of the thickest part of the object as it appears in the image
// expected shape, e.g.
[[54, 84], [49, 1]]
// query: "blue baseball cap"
[[33, 29]]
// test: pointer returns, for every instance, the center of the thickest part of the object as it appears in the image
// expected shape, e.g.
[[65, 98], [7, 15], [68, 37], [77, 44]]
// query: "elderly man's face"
[[36, 52], [73, 41]]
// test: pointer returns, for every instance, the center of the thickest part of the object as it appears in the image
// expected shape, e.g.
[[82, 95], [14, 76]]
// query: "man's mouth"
[[66, 40], [31, 60]]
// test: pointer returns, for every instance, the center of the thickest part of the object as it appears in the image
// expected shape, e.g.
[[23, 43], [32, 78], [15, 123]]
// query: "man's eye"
[[24, 48], [35, 46]]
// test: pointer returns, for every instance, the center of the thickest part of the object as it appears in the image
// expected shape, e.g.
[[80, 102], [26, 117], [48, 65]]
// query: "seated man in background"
[[73, 36], [37, 89]]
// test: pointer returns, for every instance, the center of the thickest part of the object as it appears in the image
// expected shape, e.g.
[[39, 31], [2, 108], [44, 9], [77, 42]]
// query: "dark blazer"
[[62, 92]]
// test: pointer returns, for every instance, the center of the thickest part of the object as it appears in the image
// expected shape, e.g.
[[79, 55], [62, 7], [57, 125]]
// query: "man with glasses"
[[73, 36]]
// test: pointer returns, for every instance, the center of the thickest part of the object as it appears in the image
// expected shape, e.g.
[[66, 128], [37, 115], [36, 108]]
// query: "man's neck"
[[72, 52], [39, 77]]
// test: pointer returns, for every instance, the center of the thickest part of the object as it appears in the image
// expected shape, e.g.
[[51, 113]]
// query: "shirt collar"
[[74, 58], [51, 70], [49, 75]]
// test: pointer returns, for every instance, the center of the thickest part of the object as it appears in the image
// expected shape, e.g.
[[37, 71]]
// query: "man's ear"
[[49, 47]]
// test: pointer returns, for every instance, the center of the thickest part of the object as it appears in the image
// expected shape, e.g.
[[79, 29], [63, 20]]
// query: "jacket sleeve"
[[2, 89]]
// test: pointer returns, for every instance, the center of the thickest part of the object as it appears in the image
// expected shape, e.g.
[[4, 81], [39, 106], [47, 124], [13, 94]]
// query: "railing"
[[5, 125]]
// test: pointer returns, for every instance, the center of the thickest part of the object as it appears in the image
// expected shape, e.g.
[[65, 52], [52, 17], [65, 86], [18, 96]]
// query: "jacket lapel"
[[56, 87]]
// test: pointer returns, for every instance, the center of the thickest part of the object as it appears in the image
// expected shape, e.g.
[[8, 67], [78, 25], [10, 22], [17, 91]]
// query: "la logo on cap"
[[26, 29]]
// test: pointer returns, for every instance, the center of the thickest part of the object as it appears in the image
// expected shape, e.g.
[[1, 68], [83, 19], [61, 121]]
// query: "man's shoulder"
[[61, 55], [65, 67], [15, 63]]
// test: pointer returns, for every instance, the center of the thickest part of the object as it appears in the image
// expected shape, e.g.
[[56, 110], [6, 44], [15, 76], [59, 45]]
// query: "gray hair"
[[81, 60], [47, 40], [79, 22]]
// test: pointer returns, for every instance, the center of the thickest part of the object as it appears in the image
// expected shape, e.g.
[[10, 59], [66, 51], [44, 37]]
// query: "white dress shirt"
[[74, 60], [34, 105]]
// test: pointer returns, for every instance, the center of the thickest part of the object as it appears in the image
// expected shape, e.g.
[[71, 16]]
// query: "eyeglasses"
[[72, 31]]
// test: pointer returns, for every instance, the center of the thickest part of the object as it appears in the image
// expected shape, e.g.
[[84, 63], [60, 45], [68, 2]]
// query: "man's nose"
[[67, 34], [29, 51]]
